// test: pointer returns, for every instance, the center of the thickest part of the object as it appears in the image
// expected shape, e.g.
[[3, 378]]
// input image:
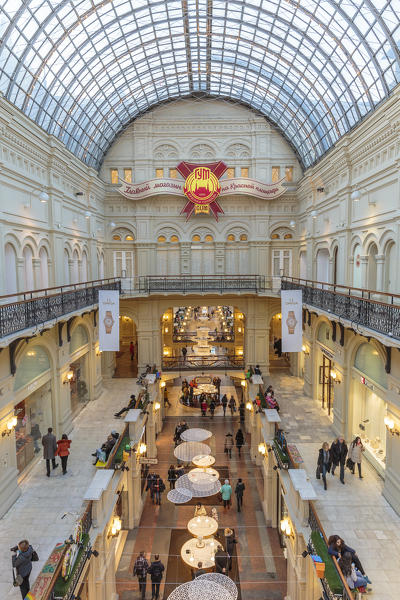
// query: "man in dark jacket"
[[239, 489], [156, 571], [22, 562], [131, 404], [199, 571], [338, 455], [221, 561], [140, 569], [49, 443]]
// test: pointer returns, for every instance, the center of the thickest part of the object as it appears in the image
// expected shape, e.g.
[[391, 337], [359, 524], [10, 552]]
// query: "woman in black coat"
[[239, 440], [230, 542], [338, 456], [324, 461]]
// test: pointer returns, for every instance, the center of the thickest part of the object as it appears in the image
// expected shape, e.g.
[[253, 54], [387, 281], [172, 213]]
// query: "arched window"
[[79, 338], [66, 268], [231, 237], [161, 239], [243, 237], [287, 236], [369, 362], [196, 238], [10, 269], [28, 268], [44, 268], [117, 238], [322, 265], [35, 362], [84, 267], [357, 266], [209, 238], [75, 267], [129, 238], [372, 252], [174, 238], [391, 277], [324, 335]]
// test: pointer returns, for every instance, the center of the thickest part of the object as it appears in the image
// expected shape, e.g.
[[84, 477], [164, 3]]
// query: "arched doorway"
[[390, 277], [126, 358], [357, 278], [322, 274], [325, 372], [335, 266], [371, 276], [277, 360]]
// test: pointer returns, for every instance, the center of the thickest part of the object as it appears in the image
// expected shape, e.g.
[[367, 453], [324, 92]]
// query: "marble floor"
[[37, 514], [356, 511]]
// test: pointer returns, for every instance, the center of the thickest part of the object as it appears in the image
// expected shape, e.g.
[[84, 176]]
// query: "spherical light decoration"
[[180, 496], [195, 435], [188, 450], [195, 590], [193, 473], [203, 461], [356, 195], [200, 490], [221, 580]]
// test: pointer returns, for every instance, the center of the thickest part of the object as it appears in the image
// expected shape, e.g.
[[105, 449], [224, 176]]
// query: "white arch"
[[10, 270], [44, 267], [27, 255]]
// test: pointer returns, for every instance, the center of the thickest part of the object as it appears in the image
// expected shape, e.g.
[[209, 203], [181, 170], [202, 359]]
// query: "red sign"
[[202, 187]]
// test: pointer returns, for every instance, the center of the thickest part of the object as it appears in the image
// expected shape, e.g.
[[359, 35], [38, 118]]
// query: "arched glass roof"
[[84, 69]]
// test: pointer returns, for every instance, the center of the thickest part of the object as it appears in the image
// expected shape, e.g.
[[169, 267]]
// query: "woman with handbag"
[[324, 462], [355, 454], [63, 451], [22, 563], [228, 444]]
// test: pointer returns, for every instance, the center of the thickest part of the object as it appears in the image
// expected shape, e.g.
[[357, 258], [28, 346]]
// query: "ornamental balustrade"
[[29, 309], [194, 362], [375, 310], [187, 284]]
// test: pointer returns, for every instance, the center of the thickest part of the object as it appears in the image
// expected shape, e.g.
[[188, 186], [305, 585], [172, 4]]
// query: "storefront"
[[33, 407], [369, 383], [79, 384], [325, 367]]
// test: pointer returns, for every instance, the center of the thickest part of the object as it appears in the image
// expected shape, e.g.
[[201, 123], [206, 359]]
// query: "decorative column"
[[364, 271], [71, 270], [37, 276], [380, 271], [185, 258], [151, 433], [220, 258], [20, 275]]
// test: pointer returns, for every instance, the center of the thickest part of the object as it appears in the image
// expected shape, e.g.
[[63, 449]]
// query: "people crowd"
[[339, 455]]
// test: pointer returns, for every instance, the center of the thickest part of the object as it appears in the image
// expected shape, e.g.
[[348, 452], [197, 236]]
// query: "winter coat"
[[141, 567], [232, 403], [226, 491], [239, 439], [321, 459], [221, 561], [239, 489], [22, 562], [156, 570], [338, 453], [49, 443], [35, 432], [62, 447], [228, 441], [172, 476], [355, 453], [332, 550], [224, 400], [230, 542]]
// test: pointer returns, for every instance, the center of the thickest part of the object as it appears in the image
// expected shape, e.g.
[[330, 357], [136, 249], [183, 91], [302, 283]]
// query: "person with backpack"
[[156, 572], [158, 488], [140, 569], [22, 563]]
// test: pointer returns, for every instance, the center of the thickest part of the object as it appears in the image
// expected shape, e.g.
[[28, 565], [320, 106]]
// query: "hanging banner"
[[108, 320], [292, 329], [228, 187], [202, 187]]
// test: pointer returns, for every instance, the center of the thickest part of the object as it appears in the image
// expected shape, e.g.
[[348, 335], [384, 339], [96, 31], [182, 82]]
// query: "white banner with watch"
[[108, 320], [292, 328]]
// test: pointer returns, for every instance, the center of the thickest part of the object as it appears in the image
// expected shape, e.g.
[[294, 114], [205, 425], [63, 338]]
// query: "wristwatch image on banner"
[[109, 320], [291, 309]]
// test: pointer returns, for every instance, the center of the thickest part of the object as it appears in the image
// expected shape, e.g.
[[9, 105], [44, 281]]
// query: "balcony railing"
[[375, 310], [203, 284], [194, 362], [29, 309]]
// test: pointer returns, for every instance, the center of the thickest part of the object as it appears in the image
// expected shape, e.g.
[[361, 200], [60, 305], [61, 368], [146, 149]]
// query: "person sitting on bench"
[[103, 453], [131, 404]]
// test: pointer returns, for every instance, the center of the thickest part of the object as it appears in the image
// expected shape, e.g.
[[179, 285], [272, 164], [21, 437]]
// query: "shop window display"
[[34, 363], [34, 416], [79, 384]]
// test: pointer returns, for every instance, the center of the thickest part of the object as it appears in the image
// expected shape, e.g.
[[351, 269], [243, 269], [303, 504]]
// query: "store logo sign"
[[202, 187]]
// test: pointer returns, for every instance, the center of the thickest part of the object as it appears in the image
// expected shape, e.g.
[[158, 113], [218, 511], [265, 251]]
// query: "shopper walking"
[[226, 493], [228, 444], [166, 399], [239, 440], [49, 444], [156, 570], [212, 408], [324, 462], [22, 563], [239, 489], [203, 407], [132, 350], [242, 408], [172, 477], [184, 352], [221, 561], [140, 569], [232, 405], [224, 402], [355, 454], [63, 446], [158, 488], [230, 542], [338, 456]]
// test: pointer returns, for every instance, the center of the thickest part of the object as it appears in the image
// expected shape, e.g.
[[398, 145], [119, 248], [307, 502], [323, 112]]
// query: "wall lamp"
[[10, 426], [162, 384], [262, 448], [115, 527], [43, 197], [249, 406], [243, 383], [334, 377], [157, 406], [389, 426], [305, 350], [99, 352], [286, 527], [142, 448], [69, 376]]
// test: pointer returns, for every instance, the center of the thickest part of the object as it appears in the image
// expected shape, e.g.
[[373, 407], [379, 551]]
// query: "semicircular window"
[[79, 338], [35, 362], [369, 362]]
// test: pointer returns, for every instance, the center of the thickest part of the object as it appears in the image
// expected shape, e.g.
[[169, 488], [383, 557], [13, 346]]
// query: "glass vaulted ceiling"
[[84, 69]]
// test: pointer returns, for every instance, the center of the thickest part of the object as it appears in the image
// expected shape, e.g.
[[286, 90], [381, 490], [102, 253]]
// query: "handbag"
[[17, 579], [35, 556], [350, 464], [318, 473]]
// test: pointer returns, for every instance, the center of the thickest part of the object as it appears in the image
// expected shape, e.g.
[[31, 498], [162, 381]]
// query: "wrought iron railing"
[[194, 362], [187, 284], [377, 311], [28, 309]]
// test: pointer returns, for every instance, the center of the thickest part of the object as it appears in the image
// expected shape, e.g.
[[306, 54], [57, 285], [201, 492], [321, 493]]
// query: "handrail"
[[325, 285], [71, 287]]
